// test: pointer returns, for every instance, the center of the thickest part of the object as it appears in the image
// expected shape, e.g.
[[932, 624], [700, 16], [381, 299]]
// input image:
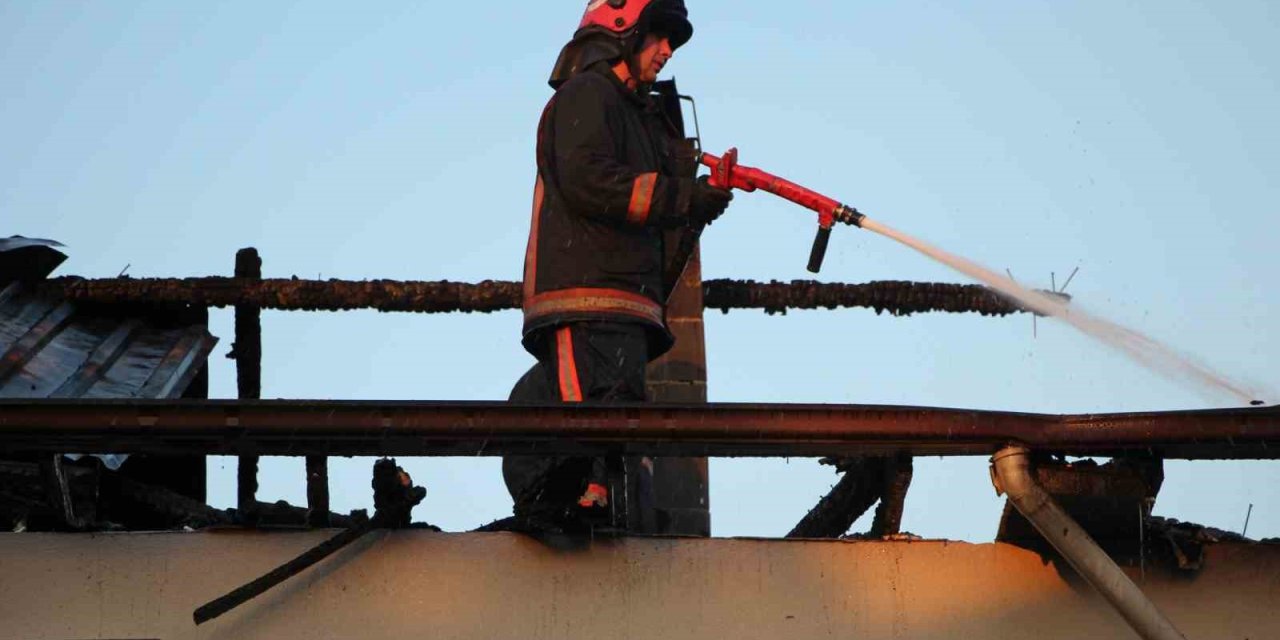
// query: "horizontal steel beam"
[[294, 427]]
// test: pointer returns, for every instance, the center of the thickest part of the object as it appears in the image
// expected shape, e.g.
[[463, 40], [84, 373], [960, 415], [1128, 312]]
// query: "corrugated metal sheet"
[[53, 350], [50, 348]]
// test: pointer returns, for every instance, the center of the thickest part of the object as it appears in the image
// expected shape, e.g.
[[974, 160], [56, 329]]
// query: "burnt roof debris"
[[897, 298], [51, 347], [56, 349], [859, 488], [28, 259], [105, 500], [1113, 502], [1106, 499], [394, 497], [1181, 544], [864, 481]]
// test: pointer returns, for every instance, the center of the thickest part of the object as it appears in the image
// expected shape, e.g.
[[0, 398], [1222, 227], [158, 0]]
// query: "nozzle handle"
[[819, 250]]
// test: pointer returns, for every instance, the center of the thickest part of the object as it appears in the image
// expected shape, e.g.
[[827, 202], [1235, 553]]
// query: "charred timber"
[[113, 501], [291, 294], [865, 480], [247, 352], [313, 427], [897, 480], [898, 298], [859, 488]]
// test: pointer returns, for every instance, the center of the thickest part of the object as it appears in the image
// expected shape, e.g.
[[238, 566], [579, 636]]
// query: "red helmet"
[[612, 28]]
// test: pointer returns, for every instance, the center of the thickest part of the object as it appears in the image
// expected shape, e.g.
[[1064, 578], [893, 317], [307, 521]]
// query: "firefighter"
[[607, 189]]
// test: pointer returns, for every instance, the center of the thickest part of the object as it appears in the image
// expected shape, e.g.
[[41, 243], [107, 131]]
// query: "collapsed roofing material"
[[896, 297], [1112, 502], [28, 258], [1109, 500], [104, 501], [64, 355], [53, 349], [56, 349]]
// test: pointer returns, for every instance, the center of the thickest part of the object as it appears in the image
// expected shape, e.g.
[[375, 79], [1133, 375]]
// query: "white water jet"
[[1147, 352]]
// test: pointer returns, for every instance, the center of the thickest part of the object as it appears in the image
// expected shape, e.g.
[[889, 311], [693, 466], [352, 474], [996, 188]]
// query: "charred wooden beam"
[[859, 487], [394, 498], [247, 352], [865, 481], [897, 480], [318, 491], [292, 294], [898, 298]]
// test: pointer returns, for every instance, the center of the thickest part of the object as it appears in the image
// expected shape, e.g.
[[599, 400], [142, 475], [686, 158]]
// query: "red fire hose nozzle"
[[726, 173]]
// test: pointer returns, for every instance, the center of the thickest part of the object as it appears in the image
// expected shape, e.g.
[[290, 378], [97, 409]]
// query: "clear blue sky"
[[1135, 140]]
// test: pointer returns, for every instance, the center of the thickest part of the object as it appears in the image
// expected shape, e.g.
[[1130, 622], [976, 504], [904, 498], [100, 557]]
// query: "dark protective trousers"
[[578, 362]]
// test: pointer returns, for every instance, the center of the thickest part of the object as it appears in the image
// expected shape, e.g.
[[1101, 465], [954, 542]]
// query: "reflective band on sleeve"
[[641, 198], [567, 367]]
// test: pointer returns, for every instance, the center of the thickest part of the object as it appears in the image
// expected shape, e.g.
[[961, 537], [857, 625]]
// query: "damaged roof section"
[[51, 348], [56, 348], [28, 258]]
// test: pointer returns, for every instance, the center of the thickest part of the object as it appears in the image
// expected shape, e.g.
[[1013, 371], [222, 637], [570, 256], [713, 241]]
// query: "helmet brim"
[[676, 27]]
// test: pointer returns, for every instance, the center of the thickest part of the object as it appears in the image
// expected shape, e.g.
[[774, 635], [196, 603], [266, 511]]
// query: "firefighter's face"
[[654, 53]]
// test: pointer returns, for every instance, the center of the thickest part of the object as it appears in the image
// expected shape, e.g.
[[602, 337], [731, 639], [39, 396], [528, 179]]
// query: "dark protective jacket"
[[609, 184]]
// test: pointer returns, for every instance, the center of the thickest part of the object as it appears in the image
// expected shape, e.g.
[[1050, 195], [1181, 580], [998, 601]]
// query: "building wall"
[[414, 584]]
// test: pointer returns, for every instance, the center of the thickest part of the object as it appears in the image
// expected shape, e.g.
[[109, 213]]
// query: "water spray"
[[726, 173]]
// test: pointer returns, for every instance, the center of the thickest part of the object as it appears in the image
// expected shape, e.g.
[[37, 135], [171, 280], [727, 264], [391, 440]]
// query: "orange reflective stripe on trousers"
[[567, 367]]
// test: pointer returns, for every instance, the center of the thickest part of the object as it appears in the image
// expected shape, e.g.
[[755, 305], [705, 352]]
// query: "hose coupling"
[[848, 215]]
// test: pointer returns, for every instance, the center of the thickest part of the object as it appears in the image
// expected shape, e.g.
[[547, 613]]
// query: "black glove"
[[707, 202]]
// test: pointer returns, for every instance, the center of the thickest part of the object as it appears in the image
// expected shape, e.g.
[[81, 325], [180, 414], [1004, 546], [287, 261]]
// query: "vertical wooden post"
[[680, 484], [247, 351], [318, 491]]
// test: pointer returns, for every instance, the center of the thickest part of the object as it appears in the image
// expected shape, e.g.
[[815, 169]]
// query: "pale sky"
[[1135, 140]]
